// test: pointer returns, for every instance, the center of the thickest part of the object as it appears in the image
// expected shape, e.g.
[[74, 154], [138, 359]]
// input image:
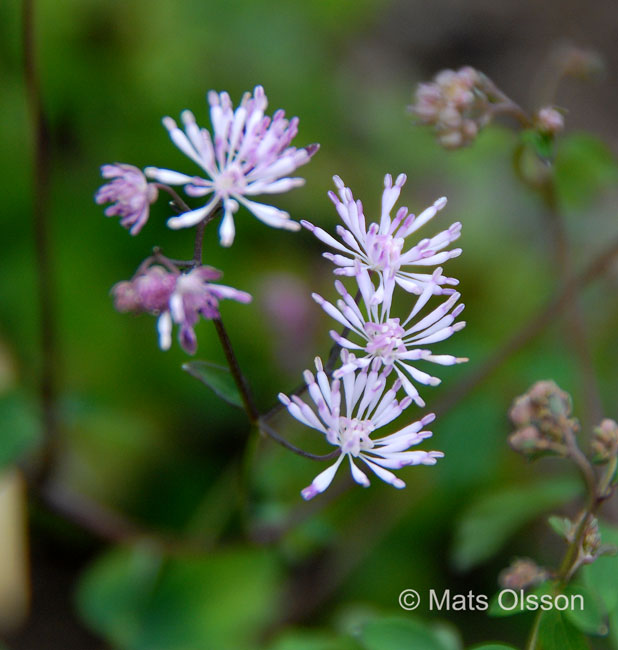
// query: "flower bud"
[[550, 121], [605, 441], [521, 574]]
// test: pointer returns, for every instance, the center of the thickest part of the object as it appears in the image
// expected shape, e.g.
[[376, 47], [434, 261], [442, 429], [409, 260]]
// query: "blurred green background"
[[142, 437]]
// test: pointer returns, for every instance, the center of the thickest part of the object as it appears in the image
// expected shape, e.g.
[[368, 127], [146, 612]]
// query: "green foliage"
[[592, 619], [305, 640], [398, 633], [555, 632], [493, 646], [218, 378], [21, 429], [584, 167], [491, 519], [139, 600]]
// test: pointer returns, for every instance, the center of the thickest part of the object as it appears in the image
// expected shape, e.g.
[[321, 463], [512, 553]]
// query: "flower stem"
[[271, 433], [239, 378], [48, 389]]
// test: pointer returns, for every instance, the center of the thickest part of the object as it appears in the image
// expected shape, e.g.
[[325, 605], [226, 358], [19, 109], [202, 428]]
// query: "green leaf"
[[560, 525], [138, 600], [20, 426], [306, 640], [555, 632], [218, 378], [584, 166], [496, 515], [496, 610], [493, 646], [542, 143], [602, 575], [398, 633], [592, 619]]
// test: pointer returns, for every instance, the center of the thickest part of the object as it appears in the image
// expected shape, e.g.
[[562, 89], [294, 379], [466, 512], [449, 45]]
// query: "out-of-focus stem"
[[576, 327], [271, 433], [534, 326], [40, 219]]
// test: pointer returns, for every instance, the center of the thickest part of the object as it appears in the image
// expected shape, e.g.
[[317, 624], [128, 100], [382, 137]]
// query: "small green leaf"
[[21, 429], [555, 632], [560, 525], [218, 378], [592, 618], [398, 633], [496, 515]]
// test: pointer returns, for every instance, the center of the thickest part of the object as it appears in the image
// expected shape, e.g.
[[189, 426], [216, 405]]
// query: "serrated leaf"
[[138, 600], [397, 633], [560, 525], [496, 515], [555, 632], [592, 618], [217, 378], [21, 429]]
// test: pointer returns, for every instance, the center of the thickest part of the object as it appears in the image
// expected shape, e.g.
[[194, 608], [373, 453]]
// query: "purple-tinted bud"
[[125, 297], [154, 288], [605, 441], [522, 573], [130, 194]]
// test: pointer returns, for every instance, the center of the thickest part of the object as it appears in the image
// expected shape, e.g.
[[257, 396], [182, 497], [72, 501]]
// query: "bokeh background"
[[142, 438]]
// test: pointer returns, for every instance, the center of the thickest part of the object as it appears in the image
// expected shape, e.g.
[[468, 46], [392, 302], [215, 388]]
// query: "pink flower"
[[349, 418], [375, 335], [248, 155], [130, 194], [179, 298], [380, 246]]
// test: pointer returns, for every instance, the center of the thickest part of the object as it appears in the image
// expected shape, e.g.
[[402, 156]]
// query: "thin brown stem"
[[239, 378], [177, 202], [271, 433], [48, 389]]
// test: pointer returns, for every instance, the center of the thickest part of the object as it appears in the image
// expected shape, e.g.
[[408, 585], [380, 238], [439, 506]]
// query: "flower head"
[[179, 298], [129, 192], [249, 154], [349, 418], [375, 335], [455, 104], [380, 246]]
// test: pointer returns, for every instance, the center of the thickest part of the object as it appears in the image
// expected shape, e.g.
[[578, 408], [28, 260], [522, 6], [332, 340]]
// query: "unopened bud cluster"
[[521, 574], [605, 441], [542, 420], [455, 104]]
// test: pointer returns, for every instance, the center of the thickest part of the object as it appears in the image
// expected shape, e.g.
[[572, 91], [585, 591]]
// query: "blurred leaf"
[[493, 646], [496, 515], [218, 378], [592, 619], [21, 429], [398, 633], [584, 166], [496, 610], [555, 632], [139, 601], [560, 525], [298, 640]]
